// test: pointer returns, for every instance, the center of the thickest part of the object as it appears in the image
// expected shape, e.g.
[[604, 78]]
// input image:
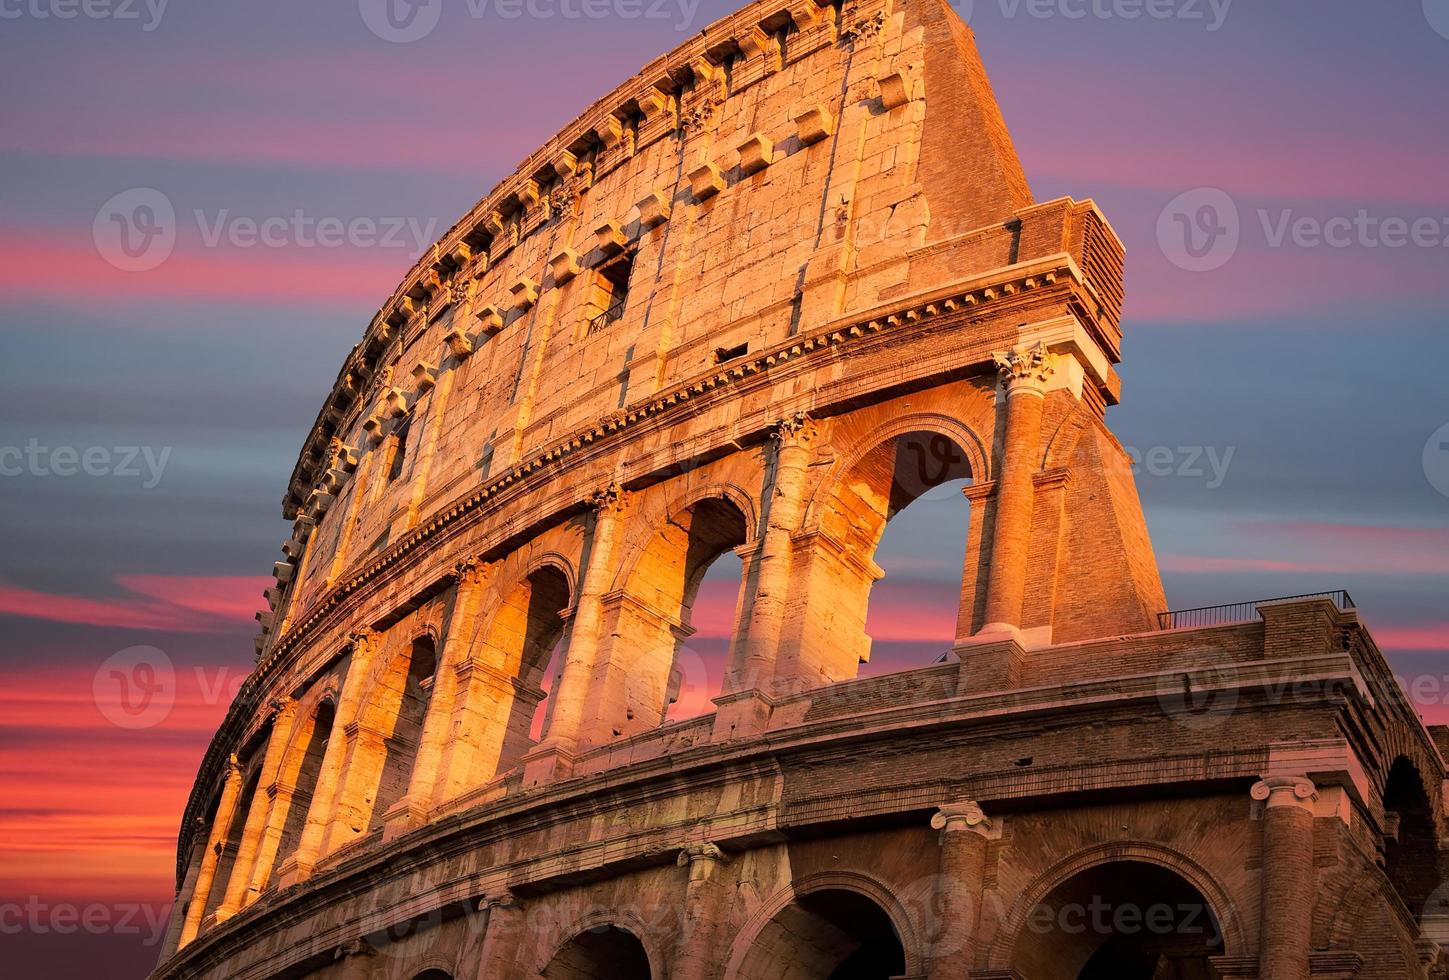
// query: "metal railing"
[[607, 317], [1239, 612]]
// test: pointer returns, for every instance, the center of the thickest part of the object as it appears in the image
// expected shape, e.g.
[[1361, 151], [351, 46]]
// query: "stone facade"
[[760, 298]]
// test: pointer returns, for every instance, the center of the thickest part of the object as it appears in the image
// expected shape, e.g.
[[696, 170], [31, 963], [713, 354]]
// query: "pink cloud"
[[1434, 636], [184, 604], [38, 266], [1326, 548]]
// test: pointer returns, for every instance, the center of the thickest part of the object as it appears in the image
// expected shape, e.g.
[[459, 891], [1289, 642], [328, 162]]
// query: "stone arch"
[[1218, 900], [1410, 838], [648, 613], [879, 473], [603, 939], [300, 770], [393, 712], [849, 456], [526, 625], [829, 917], [231, 842]]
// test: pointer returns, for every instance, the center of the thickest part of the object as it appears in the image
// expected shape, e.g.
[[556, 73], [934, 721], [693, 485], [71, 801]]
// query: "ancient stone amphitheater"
[[761, 297]]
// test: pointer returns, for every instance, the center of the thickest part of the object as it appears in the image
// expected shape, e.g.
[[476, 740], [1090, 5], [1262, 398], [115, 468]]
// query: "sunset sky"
[[1296, 396]]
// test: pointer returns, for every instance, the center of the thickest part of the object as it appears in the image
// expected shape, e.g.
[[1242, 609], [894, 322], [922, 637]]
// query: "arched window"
[[226, 860], [407, 727], [654, 616], [308, 769], [1124, 920], [605, 953], [832, 934], [526, 638], [1410, 843], [701, 660], [911, 616]]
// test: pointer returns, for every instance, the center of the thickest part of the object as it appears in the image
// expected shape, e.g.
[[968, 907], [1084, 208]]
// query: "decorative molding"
[[961, 816], [705, 851], [1025, 369]]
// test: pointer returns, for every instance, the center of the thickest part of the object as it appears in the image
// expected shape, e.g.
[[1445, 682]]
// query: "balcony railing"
[[1239, 612], [605, 318]]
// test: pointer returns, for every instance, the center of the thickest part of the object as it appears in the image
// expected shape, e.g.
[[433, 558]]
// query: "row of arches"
[[676, 615], [1116, 920]]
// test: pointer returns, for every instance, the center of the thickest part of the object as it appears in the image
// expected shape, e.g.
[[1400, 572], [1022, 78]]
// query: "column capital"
[[354, 947], [610, 499], [471, 571], [704, 851], [794, 430], [364, 637], [1276, 791], [961, 816], [504, 902], [283, 707], [233, 767], [1025, 369]]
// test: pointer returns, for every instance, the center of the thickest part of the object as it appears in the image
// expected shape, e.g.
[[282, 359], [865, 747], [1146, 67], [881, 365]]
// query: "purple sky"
[[1289, 402]]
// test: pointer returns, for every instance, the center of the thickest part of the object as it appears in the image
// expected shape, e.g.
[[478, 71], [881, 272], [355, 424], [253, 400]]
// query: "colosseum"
[[760, 298]]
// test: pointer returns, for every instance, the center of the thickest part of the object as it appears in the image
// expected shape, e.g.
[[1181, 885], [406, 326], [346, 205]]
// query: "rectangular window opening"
[[723, 354]]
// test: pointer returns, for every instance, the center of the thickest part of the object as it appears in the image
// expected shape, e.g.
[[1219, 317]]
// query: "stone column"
[[965, 829], [575, 687], [1024, 374], [1287, 872], [284, 717], [329, 777], [356, 959], [411, 811], [177, 918], [225, 810], [500, 942], [794, 440], [700, 948]]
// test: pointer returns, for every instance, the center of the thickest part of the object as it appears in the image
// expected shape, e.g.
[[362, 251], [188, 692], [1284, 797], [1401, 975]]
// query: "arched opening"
[[226, 860], [885, 586], [1123, 920], [654, 617], [527, 639], [605, 953], [700, 661], [304, 781], [401, 745], [832, 934], [912, 610], [1410, 848], [434, 974]]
